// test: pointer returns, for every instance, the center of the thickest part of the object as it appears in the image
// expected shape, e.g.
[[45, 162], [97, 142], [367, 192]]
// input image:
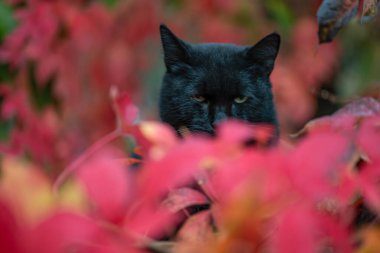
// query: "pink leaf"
[[338, 236], [347, 117], [197, 228], [107, 184], [369, 179], [236, 132], [126, 112], [297, 231], [326, 174], [64, 232], [174, 168], [369, 138], [149, 218]]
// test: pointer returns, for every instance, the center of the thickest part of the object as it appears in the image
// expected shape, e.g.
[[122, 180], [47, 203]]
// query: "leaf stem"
[[84, 156]]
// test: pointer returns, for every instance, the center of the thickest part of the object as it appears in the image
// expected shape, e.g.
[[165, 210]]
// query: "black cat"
[[206, 83]]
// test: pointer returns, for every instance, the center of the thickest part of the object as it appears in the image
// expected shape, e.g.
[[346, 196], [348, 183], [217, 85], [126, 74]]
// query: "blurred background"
[[58, 60]]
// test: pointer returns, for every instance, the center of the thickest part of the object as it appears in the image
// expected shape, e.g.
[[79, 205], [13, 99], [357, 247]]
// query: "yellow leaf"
[[25, 189], [73, 197], [370, 238]]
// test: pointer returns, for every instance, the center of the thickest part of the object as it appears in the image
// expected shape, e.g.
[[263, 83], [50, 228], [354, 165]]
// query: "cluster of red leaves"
[[283, 199], [82, 48], [208, 21], [85, 49], [31, 126]]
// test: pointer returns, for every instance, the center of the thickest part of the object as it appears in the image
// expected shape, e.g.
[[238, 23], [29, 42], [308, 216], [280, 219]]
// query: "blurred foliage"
[[110, 3], [71, 74], [60, 59], [41, 95], [359, 73], [280, 13]]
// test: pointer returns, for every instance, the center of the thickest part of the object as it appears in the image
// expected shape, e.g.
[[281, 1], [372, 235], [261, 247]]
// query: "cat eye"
[[240, 100], [200, 99]]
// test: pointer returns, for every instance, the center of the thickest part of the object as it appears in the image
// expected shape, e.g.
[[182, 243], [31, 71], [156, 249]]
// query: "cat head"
[[207, 83]]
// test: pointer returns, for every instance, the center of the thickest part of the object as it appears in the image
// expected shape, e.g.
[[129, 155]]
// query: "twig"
[[83, 157]]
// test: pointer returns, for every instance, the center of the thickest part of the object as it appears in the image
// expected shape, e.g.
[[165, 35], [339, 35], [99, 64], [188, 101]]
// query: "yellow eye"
[[199, 99], [240, 100]]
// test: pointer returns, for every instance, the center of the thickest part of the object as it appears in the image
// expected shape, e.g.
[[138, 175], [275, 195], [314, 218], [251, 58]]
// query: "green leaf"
[[280, 12], [7, 21], [110, 3]]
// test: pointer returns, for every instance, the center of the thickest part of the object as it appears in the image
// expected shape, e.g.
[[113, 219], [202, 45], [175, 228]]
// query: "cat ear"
[[265, 52], [175, 50]]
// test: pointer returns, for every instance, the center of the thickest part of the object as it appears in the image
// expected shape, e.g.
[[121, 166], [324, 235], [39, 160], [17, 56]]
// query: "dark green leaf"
[[7, 22]]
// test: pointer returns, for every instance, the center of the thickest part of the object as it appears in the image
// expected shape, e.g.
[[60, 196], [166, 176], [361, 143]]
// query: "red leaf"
[[362, 107], [64, 232], [259, 173], [236, 132], [369, 138], [346, 118], [181, 198], [369, 179], [338, 236], [325, 175], [107, 184], [297, 231], [225, 176], [174, 168], [148, 218], [10, 234], [126, 111]]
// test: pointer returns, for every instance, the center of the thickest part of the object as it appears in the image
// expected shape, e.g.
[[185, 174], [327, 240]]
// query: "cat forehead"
[[218, 68], [224, 47], [217, 54]]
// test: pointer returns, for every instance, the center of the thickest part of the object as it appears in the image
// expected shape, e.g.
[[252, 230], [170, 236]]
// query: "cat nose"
[[219, 117]]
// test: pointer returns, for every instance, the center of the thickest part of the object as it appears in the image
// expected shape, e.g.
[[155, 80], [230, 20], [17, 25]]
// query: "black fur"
[[218, 74]]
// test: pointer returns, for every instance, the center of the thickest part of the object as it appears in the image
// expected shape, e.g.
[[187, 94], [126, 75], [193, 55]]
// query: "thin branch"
[[84, 156]]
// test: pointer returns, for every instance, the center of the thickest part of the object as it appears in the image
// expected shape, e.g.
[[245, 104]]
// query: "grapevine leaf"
[[345, 118], [328, 174], [301, 222], [126, 112], [106, 182]]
